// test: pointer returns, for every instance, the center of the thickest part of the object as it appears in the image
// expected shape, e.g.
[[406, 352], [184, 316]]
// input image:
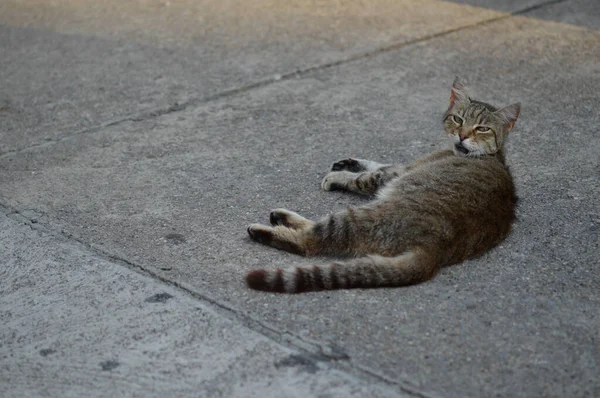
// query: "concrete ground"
[[139, 139]]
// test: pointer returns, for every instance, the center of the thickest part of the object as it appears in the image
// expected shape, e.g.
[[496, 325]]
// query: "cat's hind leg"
[[289, 231], [289, 219], [280, 237]]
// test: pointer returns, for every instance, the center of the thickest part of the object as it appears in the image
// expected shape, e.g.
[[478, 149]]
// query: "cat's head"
[[477, 128]]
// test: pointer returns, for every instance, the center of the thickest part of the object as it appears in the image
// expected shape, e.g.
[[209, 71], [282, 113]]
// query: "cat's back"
[[460, 181], [467, 204], [451, 198]]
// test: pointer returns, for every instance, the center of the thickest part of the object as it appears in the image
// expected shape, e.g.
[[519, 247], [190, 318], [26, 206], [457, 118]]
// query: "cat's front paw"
[[335, 181], [352, 165]]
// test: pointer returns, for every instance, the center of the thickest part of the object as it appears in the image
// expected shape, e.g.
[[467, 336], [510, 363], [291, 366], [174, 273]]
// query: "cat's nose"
[[462, 137]]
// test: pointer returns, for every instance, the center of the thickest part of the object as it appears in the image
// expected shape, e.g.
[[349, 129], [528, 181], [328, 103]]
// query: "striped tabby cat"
[[444, 208]]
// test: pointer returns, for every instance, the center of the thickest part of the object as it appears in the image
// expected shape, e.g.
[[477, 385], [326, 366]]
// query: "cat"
[[444, 208]]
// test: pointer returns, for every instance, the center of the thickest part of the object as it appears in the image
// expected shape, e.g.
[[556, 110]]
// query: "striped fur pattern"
[[444, 208]]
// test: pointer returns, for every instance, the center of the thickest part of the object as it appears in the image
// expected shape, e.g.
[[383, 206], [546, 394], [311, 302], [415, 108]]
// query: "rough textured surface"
[[173, 193], [511, 6], [576, 12], [117, 58], [75, 324]]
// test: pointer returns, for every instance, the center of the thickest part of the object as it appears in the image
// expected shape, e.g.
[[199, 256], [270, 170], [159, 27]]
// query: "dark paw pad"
[[260, 234], [334, 186], [277, 218], [349, 164]]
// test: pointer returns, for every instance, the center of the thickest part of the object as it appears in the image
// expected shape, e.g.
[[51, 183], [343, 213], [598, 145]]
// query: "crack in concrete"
[[537, 7], [147, 115]]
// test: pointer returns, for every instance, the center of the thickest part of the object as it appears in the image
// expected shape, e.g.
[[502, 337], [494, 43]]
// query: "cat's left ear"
[[509, 115]]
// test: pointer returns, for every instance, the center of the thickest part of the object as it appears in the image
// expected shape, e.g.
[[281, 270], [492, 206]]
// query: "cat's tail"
[[366, 272]]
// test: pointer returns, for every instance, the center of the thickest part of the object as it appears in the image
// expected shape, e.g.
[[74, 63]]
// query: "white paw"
[[335, 181]]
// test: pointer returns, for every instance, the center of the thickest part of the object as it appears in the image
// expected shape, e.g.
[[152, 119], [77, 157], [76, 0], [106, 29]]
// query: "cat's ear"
[[509, 115], [458, 94]]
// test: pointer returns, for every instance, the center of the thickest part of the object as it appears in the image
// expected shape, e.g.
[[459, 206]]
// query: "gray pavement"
[[92, 327], [137, 142]]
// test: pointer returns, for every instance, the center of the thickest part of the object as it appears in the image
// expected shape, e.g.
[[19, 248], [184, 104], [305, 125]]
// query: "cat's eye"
[[483, 129], [457, 120]]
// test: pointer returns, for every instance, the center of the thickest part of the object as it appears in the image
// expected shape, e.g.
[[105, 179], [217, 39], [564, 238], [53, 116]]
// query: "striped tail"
[[365, 272]]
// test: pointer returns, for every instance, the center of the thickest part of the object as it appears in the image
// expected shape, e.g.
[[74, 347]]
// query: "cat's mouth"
[[460, 148]]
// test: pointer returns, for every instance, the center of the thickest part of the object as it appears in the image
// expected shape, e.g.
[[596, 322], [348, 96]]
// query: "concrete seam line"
[[537, 6], [312, 349], [142, 116]]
